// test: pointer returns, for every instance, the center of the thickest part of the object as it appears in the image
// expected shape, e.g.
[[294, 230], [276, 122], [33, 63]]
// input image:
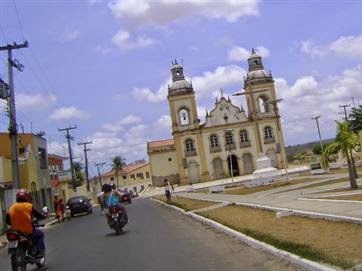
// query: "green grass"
[[302, 250]]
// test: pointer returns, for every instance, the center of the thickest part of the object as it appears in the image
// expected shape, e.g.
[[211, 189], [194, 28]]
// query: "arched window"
[[214, 142], [244, 137], [268, 132], [263, 104], [184, 117], [229, 138]]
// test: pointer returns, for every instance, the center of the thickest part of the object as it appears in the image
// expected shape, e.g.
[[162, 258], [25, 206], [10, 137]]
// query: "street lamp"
[[231, 164]]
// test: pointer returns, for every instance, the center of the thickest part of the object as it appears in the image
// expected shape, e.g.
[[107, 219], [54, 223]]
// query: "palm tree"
[[118, 162], [345, 141]]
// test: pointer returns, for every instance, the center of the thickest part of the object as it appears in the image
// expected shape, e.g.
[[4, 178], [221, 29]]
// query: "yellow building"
[[135, 177], [33, 165], [229, 141]]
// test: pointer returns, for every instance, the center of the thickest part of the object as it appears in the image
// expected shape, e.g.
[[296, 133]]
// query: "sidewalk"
[[156, 191], [299, 200], [48, 222]]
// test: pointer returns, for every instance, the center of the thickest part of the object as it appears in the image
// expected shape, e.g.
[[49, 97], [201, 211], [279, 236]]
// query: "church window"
[[244, 137], [184, 117], [214, 141], [229, 138], [268, 132], [263, 104], [189, 145]]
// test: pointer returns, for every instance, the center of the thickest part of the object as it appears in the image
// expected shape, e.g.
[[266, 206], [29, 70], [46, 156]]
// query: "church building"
[[230, 140]]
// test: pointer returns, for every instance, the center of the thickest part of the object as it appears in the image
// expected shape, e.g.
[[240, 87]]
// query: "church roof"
[[161, 143]]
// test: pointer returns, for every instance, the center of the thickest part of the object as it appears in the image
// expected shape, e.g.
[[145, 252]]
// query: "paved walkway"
[[155, 191], [285, 197]]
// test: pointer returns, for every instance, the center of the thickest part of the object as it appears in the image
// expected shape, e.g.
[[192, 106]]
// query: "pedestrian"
[[55, 203], [168, 190], [61, 208]]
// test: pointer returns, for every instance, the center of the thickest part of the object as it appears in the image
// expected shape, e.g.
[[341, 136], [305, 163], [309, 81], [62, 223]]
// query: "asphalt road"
[[156, 239]]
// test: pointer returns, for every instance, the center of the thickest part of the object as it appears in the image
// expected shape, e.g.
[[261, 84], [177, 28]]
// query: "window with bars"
[[244, 137], [214, 142], [189, 145], [229, 138], [268, 132]]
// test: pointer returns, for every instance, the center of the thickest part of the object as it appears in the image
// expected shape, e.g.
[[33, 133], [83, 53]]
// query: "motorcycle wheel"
[[18, 262], [118, 228], [40, 262]]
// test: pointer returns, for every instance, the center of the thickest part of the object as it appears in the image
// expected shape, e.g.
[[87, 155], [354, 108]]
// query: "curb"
[[290, 257], [51, 223]]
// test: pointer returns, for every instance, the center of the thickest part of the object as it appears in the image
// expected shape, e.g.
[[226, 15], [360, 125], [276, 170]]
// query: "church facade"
[[229, 141]]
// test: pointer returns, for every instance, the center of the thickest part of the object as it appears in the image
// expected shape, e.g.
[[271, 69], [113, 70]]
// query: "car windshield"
[[77, 199]]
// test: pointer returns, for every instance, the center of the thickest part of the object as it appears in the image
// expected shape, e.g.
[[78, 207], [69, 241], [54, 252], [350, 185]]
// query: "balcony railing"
[[269, 140], [190, 153], [245, 144], [215, 148], [230, 146]]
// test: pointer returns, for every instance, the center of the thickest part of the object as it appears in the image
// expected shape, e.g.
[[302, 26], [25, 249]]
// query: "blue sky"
[[104, 65]]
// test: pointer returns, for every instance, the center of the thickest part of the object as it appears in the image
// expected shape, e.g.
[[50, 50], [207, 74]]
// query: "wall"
[[162, 168]]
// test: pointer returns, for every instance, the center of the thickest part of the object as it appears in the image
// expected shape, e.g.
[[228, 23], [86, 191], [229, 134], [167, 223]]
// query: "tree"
[[345, 141], [79, 176], [118, 162], [356, 119], [317, 149]]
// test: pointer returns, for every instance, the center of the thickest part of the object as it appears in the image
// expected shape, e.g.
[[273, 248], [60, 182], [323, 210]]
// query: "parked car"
[[79, 204], [126, 196]]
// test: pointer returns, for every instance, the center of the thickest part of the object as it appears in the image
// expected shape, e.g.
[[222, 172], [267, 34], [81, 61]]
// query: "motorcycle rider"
[[111, 196], [20, 218]]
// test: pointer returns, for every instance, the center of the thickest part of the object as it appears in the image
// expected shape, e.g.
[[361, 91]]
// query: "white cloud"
[[163, 12], [71, 35], [123, 40], [308, 97], [349, 46], [68, 113], [241, 54], [165, 121], [130, 119], [34, 101]]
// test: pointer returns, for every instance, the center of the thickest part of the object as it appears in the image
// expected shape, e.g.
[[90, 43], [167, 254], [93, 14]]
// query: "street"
[[156, 238]]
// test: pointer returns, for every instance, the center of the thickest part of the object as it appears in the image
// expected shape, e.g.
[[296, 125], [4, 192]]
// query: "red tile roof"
[[161, 143]]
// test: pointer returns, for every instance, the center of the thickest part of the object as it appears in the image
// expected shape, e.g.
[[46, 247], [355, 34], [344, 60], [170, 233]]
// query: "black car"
[[79, 204]]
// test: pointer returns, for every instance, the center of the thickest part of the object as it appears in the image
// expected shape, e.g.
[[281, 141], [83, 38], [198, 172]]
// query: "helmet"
[[23, 195], [106, 188]]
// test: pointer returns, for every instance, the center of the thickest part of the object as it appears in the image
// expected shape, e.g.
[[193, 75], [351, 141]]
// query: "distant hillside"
[[306, 147]]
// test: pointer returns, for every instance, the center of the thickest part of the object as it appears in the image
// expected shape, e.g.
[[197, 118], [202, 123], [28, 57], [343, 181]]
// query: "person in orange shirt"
[[20, 218]]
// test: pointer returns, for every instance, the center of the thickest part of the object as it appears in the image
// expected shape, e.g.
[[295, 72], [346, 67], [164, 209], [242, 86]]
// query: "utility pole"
[[86, 160], [99, 173], [319, 132], [285, 160], [12, 112], [69, 137], [345, 110]]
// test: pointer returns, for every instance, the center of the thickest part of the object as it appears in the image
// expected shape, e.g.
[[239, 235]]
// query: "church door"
[[193, 171], [232, 160], [218, 168], [248, 163]]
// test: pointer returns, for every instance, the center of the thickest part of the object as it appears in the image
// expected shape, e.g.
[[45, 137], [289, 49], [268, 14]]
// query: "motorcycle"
[[114, 217], [22, 249]]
